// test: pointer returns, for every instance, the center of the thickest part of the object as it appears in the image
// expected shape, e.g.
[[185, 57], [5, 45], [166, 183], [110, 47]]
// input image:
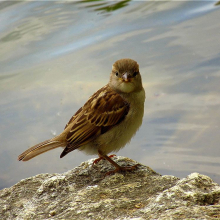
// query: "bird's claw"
[[101, 158]]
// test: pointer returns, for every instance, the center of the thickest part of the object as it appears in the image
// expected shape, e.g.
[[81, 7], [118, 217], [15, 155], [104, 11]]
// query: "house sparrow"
[[106, 122]]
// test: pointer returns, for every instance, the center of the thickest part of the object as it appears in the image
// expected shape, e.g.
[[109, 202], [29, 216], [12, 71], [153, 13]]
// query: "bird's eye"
[[116, 73], [135, 74]]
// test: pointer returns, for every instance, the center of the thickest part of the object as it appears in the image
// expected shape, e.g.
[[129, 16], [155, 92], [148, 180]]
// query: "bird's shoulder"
[[105, 107], [105, 100]]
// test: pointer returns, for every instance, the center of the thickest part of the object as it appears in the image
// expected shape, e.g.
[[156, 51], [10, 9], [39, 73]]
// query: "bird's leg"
[[117, 167], [101, 158]]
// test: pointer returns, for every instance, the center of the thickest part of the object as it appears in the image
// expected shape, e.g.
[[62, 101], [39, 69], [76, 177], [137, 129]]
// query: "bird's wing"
[[103, 110], [73, 118]]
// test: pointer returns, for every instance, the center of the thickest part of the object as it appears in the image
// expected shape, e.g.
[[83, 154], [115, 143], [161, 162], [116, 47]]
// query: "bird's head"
[[125, 76]]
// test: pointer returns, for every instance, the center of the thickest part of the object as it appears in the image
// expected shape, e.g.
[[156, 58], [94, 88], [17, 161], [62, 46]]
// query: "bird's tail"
[[39, 149]]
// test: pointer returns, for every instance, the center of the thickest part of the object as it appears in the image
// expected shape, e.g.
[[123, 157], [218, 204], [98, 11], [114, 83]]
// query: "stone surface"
[[86, 193]]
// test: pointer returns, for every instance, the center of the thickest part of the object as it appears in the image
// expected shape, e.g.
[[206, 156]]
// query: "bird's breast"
[[118, 136]]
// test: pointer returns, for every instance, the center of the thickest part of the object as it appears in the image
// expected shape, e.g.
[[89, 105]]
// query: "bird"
[[106, 122]]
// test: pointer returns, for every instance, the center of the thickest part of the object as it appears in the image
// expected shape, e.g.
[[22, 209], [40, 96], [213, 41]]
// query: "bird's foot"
[[122, 169], [101, 158]]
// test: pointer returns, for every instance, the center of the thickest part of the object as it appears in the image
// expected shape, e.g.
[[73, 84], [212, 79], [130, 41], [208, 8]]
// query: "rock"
[[86, 193]]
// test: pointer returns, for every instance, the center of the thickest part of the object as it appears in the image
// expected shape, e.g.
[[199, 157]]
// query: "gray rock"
[[87, 193]]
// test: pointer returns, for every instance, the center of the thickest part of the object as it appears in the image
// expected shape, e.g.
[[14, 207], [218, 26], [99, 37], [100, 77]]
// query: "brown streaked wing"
[[100, 113], [107, 110], [73, 117]]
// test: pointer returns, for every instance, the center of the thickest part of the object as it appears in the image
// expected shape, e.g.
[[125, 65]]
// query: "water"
[[53, 56]]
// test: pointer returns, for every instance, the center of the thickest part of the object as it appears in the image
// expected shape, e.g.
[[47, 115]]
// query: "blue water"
[[53, 56]]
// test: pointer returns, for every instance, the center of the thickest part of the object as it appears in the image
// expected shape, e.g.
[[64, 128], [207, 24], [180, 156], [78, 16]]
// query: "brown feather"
[[73, 117], [100, 113], [39, 149]]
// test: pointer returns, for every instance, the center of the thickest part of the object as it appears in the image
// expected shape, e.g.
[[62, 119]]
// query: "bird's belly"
[[120, 135], [117, 137]]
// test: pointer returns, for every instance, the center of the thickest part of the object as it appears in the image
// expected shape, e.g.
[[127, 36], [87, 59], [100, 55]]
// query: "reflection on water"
[[217, 3], [106, 6], [55, 55]]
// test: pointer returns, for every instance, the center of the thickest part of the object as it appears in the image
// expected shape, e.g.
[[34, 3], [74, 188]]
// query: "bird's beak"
[[125, 77]]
